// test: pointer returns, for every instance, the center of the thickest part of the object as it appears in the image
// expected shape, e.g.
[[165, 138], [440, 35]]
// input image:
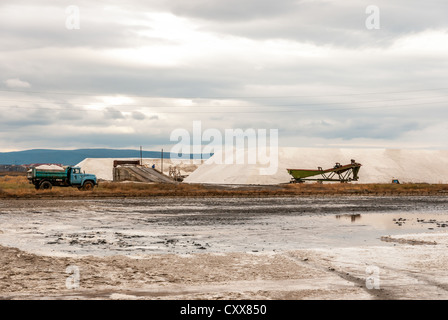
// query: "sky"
[[124, 74]]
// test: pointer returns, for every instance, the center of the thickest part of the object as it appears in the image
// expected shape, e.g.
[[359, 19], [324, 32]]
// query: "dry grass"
[[18, 187], [14, 174]]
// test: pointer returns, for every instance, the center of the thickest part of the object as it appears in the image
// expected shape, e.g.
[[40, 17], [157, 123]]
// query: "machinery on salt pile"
[[132, 170], [339, 173]]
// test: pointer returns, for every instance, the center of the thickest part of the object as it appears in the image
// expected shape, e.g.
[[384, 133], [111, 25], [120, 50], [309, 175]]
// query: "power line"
[[228, 97], [221, 106], [259, 111]]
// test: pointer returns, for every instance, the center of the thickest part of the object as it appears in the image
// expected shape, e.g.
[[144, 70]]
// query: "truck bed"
[[48, 174]]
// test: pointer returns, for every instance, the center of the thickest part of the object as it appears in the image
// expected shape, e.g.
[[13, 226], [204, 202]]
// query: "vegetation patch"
[[13, 186]]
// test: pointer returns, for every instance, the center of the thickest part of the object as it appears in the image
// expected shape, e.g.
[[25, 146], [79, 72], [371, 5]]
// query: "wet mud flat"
[[280, 248], [189, 225]]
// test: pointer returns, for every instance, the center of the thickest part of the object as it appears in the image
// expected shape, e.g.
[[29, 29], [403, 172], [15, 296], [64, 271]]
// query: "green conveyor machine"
[[339, 173]]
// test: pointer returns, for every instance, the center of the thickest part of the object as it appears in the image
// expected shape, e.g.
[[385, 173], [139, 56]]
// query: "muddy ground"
[[225, 248]]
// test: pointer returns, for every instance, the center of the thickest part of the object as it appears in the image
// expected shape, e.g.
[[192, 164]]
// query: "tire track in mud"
[[396, 282], [419, 277], [375, 294]]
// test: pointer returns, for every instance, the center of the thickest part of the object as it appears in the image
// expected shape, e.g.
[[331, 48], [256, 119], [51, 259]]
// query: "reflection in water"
[[353, 217]]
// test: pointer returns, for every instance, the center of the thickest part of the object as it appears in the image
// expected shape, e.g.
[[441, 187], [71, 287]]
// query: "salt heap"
[[51, 167], [103, 168], [378, 166]]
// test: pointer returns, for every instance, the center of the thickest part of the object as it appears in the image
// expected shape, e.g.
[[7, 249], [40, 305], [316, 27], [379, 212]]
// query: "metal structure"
[[339, 173], [140, 174], [174, 173], [126, 162]]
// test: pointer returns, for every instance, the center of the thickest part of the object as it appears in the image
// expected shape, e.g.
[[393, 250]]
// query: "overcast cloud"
[[136, 70]]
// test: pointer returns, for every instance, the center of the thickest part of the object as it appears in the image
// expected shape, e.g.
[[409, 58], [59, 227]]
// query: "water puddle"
[[367, 229], [417, 222]]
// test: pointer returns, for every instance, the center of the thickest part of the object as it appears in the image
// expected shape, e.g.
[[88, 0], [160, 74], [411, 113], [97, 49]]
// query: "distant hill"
[[73, 157]]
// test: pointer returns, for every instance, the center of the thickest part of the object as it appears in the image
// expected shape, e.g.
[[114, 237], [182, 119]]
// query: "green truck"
[[45, 179]]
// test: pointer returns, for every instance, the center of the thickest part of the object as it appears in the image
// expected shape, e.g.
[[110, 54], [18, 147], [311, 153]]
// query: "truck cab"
[[81, 180]]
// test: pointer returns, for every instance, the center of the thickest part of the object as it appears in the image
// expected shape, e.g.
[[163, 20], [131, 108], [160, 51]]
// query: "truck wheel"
[[88, 186], [46, 185]]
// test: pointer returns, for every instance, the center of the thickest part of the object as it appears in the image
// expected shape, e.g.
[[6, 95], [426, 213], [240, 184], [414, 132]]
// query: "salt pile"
[[378, 166], [103, 167], [51, 167]]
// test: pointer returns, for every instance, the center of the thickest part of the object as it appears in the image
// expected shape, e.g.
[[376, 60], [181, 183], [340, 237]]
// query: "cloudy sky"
[[128, 73]]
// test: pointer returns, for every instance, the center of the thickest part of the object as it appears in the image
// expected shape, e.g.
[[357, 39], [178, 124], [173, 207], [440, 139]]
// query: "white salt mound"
[[103, 167], [50, 167], [378, 166]]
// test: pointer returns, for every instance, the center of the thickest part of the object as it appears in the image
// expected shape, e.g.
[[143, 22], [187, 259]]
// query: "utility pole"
[[162, 161], [141, 156]]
